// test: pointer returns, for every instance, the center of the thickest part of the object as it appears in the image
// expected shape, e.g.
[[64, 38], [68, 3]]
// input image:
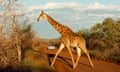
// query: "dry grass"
[[37, 61]]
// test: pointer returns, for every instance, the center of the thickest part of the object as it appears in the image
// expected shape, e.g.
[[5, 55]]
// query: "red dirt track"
[[64, 64]]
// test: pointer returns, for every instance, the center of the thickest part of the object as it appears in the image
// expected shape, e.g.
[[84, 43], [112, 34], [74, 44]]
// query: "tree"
[[12, 34], [103, 38]]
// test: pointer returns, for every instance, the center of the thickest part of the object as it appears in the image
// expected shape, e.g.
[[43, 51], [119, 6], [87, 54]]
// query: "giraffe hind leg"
[[84, 49], [91, 63]]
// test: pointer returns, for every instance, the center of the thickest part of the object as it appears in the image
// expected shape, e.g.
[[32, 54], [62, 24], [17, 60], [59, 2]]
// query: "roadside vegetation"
[[16, 39], [103, 40]]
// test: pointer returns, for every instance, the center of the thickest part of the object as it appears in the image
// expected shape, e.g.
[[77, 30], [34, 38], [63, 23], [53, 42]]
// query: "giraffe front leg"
[[78, 56], [69, 49], [60, 49]]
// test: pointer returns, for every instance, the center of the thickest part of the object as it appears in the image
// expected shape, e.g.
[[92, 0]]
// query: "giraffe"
[[69, 39]]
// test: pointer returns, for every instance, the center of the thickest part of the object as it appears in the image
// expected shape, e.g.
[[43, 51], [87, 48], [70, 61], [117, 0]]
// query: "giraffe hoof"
[[92, 66], [51, 65], [74, 66]]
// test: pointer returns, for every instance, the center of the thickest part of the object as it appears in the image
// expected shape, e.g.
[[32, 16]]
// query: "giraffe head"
[[41, 16]]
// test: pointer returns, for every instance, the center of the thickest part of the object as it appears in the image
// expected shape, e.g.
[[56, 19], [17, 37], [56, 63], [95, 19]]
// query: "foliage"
[[27, 33], [103, 39], [12, 36]]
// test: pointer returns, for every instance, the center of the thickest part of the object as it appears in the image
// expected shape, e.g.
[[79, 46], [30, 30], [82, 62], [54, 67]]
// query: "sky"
[[76, 14]]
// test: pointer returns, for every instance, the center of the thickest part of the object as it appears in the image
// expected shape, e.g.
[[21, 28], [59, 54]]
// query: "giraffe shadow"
[[65, 60], [68, 63]]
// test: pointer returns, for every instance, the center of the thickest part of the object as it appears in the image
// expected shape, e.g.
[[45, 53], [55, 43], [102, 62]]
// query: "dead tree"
[[10, 38]]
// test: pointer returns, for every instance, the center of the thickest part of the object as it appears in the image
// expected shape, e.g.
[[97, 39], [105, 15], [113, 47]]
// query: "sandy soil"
[[64, 64]]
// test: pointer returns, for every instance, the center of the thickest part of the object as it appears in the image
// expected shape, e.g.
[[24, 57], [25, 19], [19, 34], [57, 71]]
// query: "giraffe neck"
[[62, 29]]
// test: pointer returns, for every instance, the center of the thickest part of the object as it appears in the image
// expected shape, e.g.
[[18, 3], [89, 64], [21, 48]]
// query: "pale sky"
[[76, 14]]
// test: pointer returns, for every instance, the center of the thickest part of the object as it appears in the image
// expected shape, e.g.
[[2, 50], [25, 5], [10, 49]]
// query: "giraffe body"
[[68, 39]]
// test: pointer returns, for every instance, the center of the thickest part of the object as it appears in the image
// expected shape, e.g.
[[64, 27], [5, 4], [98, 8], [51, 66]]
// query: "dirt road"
[[64, 64]]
